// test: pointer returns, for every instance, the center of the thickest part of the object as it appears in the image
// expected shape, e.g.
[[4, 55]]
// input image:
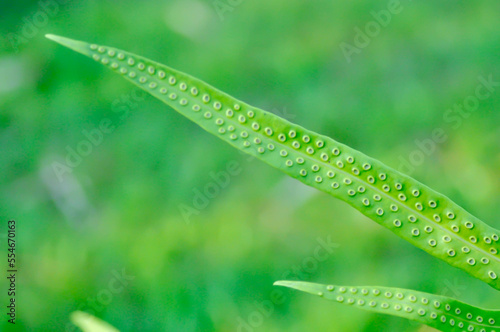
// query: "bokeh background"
[[122, 208]]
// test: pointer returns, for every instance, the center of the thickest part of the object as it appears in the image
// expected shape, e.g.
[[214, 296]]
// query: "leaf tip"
[[58, 39], [284, 283], [75, 45], [50, 36], [308, 287]]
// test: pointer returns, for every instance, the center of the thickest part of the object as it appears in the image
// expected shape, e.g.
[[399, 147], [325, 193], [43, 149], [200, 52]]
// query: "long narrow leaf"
[[413, 211], [440, 312]]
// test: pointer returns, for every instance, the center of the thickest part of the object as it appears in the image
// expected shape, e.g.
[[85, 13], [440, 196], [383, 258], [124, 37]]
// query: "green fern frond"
[[441, 312], [413, 211]]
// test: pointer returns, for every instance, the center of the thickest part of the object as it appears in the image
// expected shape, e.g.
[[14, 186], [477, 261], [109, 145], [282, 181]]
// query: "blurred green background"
[[120, 209]]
